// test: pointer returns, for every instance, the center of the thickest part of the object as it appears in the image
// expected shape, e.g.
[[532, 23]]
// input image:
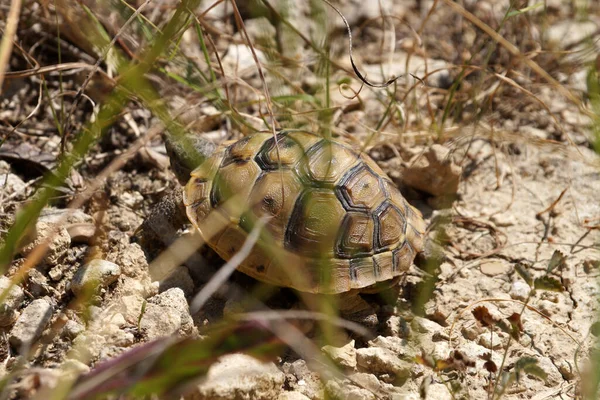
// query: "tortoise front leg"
[[355, 308], [160, 227]]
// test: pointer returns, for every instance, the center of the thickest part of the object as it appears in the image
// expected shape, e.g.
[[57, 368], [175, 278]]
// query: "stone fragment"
[[494, 267], [166, 314], [382, 361], [71, 216], [436, 391], [344, 356], [31, 323], [425, 325], [493, 341], [396, 345], [82, 232], [433, 172], [239, 376], [345, 390], [11, 184], [567, 32], [367, 381], [37, 283], [519, 290], [72, 329], [97, 274]]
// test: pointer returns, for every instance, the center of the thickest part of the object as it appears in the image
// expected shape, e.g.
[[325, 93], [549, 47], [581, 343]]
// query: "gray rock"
[[519, 290], [96, 273], [4, 167], [72, 329], [382, 361], [398, 346], [31, 323], [493, 341], [554, 377], [569, 32], [56, 273], [11, 303], [367, 381], [59, 244], [238, 376], [12, 184], [425, 325], [166, 314], [53, 215], [344, 356]]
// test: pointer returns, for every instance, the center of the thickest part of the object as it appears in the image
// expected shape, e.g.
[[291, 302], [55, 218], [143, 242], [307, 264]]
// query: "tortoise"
[[335, 222]]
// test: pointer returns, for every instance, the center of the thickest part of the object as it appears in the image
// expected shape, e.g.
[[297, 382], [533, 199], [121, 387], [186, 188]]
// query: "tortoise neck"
[[186, 152]]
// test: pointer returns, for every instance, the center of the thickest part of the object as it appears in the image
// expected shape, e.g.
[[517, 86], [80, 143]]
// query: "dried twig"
[[7, 37]]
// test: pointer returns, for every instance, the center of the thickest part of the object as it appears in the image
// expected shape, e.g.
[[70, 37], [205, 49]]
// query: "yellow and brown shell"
[[336, 222]]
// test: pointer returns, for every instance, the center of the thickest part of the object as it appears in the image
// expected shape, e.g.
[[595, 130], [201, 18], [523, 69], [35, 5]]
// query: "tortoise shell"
[[335, 221]]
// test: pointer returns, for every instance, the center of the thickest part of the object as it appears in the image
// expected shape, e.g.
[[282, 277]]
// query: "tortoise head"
[[186, 152]]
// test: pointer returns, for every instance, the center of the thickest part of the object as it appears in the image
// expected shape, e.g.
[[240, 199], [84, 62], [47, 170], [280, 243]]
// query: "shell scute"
[[361, 189], [325, 163], [391, 227], [274, 195], [356, 236], [313, 226], [286, 153], [234, 180]]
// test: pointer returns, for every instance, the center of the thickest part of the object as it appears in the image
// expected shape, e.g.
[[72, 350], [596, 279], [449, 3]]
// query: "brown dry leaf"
[[515, 321], [490, 366], [483, 316]]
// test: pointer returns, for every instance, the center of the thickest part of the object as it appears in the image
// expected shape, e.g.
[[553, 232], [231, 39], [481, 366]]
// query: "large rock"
[[378, 360], [31, 323], [240, 377], [96, 274], [166, 314], [344, 356]]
